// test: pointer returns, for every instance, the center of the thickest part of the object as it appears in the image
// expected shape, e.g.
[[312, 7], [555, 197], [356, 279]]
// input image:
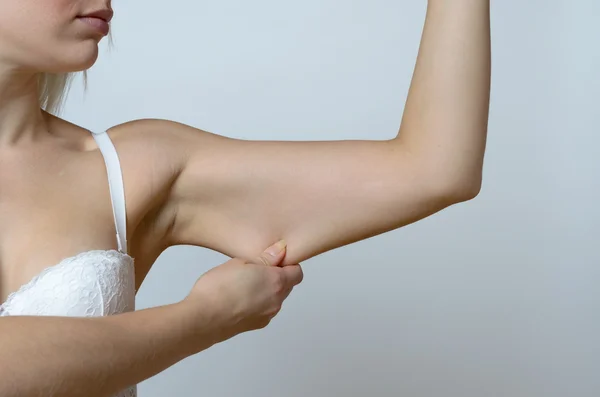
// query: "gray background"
[[497, 297]]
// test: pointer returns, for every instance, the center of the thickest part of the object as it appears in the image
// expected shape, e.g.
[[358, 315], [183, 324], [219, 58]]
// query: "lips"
[[106, 15], [98, 20]]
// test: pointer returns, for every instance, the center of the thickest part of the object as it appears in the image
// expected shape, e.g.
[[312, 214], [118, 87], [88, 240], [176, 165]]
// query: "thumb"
[[273, 255]]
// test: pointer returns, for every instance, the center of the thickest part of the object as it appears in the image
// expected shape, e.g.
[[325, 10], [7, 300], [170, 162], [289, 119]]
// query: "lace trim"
[[60, 264]]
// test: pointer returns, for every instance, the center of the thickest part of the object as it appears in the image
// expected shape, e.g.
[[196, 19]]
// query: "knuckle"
[[274, 310], [263, 323], [300, 275], [274, 306]]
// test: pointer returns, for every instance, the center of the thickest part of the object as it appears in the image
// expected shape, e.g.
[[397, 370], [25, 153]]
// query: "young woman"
[[64, 190]]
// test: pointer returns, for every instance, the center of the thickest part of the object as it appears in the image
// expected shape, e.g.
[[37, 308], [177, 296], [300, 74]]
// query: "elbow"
[[468, 190], [452, 189]]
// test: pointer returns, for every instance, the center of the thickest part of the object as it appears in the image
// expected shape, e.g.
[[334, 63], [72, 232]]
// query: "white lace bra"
[[92, 283]]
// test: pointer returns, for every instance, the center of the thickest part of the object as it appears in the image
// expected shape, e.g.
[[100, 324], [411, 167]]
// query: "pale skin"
[[188, 186]]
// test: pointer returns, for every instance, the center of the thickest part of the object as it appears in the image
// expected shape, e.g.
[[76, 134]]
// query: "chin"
[[86, 63], [76, 59]]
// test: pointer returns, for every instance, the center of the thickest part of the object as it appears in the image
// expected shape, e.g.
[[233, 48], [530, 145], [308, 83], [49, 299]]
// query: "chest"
[[45, 197], [56, 204]]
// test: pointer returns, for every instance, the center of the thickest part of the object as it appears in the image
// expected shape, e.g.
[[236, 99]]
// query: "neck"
[[21, 118]]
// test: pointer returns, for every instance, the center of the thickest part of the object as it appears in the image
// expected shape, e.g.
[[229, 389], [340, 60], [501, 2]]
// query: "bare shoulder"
[[162, 144], [172, 133], [148, 134], [168, 149], [153, 153]]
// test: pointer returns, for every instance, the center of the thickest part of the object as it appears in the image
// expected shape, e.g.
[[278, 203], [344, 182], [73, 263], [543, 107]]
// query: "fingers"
[[273, 255], [293, 275]]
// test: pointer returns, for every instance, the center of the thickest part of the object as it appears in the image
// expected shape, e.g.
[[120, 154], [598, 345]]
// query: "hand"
[[245, 295]]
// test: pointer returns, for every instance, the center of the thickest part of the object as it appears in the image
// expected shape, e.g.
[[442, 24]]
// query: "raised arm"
[[235, 196]]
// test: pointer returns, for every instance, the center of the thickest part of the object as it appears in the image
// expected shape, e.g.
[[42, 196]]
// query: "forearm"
[[95, 357], [445, 119]]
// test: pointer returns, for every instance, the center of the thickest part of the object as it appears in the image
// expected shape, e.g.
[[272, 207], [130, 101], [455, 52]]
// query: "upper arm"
[[237, 196]]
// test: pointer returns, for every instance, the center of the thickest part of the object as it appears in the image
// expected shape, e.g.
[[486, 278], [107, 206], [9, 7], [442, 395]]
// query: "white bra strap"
[[116, 186]]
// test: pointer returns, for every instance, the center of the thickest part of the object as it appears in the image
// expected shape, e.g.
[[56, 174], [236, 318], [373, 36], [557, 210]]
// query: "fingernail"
[[276, 248]]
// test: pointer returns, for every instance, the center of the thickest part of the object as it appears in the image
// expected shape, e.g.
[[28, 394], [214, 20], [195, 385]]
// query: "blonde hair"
[[53, 90]]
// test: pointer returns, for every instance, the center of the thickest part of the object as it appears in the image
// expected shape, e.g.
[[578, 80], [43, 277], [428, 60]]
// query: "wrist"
[[199, 325]]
